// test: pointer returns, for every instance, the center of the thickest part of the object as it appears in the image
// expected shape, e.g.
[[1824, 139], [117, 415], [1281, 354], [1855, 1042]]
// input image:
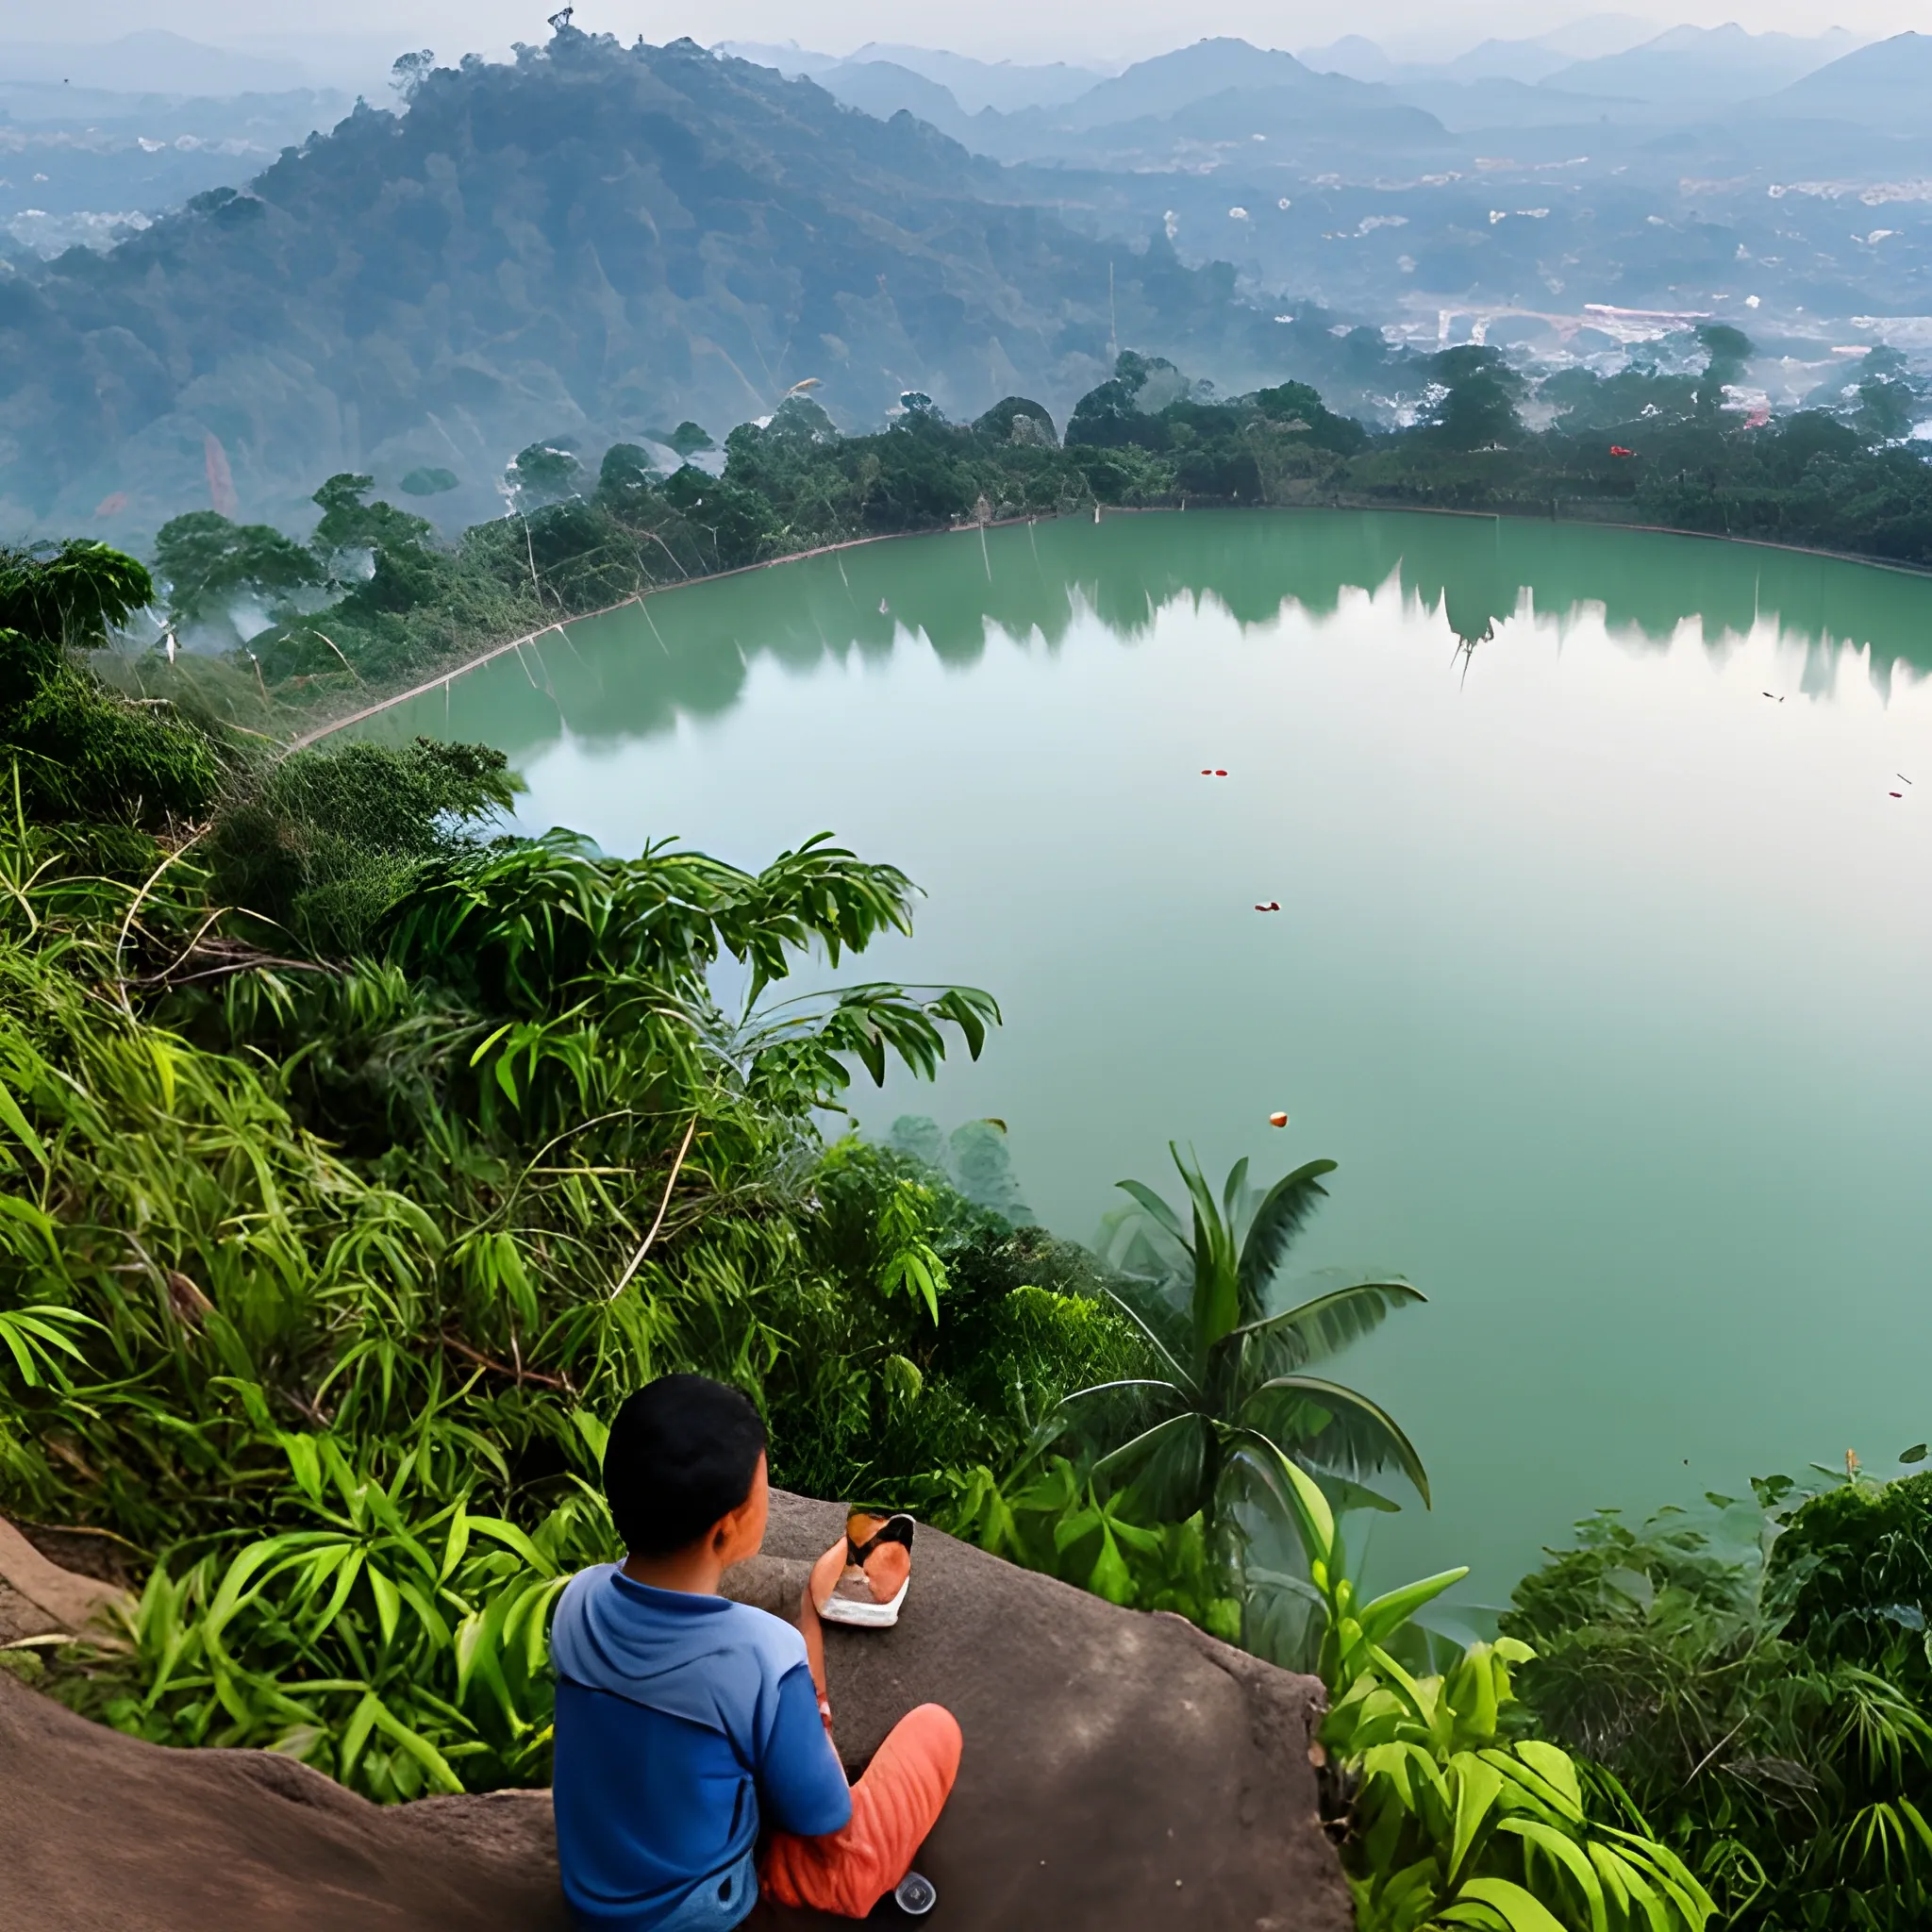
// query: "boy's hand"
[[818, 1587], [824, 1578]]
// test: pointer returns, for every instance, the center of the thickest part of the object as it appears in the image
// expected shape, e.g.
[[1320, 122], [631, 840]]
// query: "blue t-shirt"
[[682, 1721]]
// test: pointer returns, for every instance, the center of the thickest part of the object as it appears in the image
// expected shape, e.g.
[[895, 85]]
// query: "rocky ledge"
[[1122, 1771]]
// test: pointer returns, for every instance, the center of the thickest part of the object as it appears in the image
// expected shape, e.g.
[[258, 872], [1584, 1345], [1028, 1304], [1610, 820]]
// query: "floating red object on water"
[[1221, 774], [1617, 449], [1898, 794], [1272, 905], [1277, 1120]]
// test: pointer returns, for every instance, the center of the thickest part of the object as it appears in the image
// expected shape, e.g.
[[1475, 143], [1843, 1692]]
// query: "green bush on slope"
[[1756, 1681], [358, 1163]]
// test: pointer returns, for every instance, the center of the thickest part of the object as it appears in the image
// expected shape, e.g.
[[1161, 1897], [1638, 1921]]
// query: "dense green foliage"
[[360, 1162], [1757, 1680], [1153, 1482], [1228, 1397], [77, 752], [1450, 1814]]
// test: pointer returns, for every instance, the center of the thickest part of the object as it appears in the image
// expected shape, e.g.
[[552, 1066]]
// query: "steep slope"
[[1885, 85], [883, 88], [1697, 68], [1169, 82], [596, 241], [1162, 113], [1004, 85]]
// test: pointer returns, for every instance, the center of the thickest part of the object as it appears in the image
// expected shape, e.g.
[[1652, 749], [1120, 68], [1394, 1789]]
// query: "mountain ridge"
[[597, 242]]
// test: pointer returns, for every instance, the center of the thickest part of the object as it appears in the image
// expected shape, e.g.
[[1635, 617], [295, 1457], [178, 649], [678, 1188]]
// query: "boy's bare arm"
[[820, 1585]]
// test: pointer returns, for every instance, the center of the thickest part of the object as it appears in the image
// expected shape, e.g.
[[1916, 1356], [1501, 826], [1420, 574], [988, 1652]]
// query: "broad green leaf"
[[388, 1603], [42, 1230], [419, 1747], [1422, 1697], [434, 1624], [304, 1465], [1610, 1868], [1631, 1885], [1518, 1909], [235, 1580], [1532, 1786], [1473, 1913], [1477, 1786], [1072, 1527], [1389, 1611], [1566, 1852], [355, 1735], [1110, 1577], [512, 1537], [458, 1544], [353, 1558], [1357, 1435], [1663, 1868], [1138, 1448], [1154, 1206], [20, 1127], [1312, 1516], [595, 1431], [1283, 1213], [1554, 1767]]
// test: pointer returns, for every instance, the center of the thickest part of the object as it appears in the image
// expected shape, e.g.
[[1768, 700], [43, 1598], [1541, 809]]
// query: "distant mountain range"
[[1686, 72], [153, 61], [1152, 111], [1348, 97], [1350, 93], [1004, 85]]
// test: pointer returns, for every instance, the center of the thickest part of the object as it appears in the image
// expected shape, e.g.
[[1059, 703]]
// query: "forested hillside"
[[594, 243]]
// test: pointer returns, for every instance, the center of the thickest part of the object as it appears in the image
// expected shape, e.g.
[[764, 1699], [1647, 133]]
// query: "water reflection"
[[687, 650], [1603, 928]]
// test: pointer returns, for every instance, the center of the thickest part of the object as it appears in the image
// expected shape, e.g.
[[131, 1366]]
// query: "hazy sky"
[[1018, 29]]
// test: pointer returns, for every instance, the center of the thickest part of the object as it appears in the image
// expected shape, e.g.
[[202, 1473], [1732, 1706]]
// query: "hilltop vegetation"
[[596, 240]]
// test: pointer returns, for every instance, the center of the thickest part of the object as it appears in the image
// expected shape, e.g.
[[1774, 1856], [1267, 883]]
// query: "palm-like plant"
[[1232, 1400]]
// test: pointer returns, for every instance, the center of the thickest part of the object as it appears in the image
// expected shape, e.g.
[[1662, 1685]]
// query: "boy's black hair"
[[682, 1453]]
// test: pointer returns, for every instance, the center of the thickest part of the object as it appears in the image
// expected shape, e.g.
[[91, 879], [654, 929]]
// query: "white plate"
[[865, 1616]]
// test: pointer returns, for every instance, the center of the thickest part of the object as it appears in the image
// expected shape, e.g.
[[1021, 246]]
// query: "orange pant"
[[894, 1806]]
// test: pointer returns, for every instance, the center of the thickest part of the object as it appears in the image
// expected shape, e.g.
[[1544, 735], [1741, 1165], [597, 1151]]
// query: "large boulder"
[[1120, 1771], [105, 1834]]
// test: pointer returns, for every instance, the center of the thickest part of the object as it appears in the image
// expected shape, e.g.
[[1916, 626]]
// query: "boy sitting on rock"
[[689, 1726]]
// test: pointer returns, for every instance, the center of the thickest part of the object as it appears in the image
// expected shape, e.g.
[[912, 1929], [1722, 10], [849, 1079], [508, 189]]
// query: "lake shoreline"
[[636, 599]]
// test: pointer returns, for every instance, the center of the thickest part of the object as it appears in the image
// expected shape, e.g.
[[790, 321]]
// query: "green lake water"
[[1603, 973]]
